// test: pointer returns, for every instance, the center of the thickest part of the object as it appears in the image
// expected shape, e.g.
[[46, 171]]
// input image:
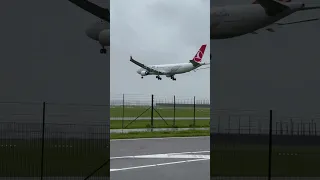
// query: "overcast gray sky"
[[46, 55], [270, 70], [158, 32]]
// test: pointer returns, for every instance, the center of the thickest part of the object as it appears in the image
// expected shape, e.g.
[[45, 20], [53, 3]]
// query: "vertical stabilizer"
[[198, 57]]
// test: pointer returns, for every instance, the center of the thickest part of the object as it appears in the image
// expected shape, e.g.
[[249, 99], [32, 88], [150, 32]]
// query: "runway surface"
[[160, 158]]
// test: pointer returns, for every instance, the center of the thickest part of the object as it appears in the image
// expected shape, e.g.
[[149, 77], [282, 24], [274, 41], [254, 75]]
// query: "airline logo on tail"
[[198, 57]]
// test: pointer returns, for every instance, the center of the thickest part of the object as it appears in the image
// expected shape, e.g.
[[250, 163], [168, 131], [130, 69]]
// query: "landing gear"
[[158, 77], [172, 77], [103, 51], [141, 77]]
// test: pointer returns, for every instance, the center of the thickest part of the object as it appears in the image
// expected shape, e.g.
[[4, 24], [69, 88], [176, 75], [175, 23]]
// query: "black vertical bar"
[[174, 110], [151, 112], [194, 111], [249, 124], [43, 126], [292, 126], [239, 125], [270, 145], [122, 111]]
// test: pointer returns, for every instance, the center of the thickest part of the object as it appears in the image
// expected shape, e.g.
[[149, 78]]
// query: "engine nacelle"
[[104, 37], [144, 73]]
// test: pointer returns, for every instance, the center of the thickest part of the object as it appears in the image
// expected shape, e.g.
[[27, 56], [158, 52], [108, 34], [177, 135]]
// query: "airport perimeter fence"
[[154, 111], [264, 145], [42, 140]]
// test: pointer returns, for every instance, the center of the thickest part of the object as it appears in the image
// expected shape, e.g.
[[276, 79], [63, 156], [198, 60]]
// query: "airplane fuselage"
[[169, 69], [232, 21]]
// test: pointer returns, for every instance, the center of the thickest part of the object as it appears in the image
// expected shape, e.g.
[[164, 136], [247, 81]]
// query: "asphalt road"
[[160, 158]]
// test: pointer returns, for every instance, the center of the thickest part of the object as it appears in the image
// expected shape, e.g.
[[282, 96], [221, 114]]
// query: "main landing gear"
[[158, 77], [173, 78], [103, 50]]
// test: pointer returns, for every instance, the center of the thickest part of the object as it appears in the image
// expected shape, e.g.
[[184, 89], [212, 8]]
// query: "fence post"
[[43, 126], [122, 111], [239, 125], [194, 111], [292, 127], [270, 145], [174, 110], [151, 112], [249, 124]]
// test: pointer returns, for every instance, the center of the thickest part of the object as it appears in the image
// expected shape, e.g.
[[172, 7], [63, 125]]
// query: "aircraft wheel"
[[103, 51]]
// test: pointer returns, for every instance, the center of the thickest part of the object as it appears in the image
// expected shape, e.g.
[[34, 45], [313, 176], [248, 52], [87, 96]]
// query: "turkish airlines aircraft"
[[169, 70], [232, 21], [100, 30]]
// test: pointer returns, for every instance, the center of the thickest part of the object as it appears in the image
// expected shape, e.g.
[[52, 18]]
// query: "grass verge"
[[73, 157], [134, 111], [252, 160], [159, 134], [118, 124]]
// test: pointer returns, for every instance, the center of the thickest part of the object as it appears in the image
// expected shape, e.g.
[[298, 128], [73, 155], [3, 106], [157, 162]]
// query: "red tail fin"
[[256, 2], [198, 57]]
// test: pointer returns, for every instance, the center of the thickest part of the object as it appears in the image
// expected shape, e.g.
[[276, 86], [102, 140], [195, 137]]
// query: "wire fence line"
[[145, 100], [141, 111], [51, 139], [263, 145], [257, 122]]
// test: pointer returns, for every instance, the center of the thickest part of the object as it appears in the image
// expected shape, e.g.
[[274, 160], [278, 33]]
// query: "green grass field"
[[135, 111], [79, 158], [252, 160], [187, 133], [117, 124]]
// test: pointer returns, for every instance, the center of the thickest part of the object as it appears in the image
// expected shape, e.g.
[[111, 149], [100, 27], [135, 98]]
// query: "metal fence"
[[45, 140], [141, 111], [265, 144]]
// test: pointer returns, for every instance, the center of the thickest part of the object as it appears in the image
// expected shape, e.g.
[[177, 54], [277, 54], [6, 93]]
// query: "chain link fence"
[[263, 144], [47, 140], [154, 111]]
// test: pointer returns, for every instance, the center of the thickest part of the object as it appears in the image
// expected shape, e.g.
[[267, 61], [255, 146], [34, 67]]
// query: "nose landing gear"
[[158, 77]]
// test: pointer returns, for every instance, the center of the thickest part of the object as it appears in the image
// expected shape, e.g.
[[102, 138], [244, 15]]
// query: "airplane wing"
[[145, 67], [273, 26], [309, 8], [92, 8]]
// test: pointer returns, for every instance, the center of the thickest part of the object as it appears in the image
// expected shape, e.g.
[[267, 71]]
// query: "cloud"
[[158, 32]]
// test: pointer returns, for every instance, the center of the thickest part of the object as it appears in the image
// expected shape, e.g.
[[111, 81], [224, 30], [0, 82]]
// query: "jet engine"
[[144, 73], [104, 37]]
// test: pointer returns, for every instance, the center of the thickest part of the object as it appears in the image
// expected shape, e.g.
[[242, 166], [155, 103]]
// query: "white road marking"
[[154, 165], [194, 137], [157, 155], [182, 155]]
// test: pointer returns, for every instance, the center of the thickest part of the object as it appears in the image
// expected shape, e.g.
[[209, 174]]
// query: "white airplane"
[[232, 21], [169, 70], [100, 30]]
